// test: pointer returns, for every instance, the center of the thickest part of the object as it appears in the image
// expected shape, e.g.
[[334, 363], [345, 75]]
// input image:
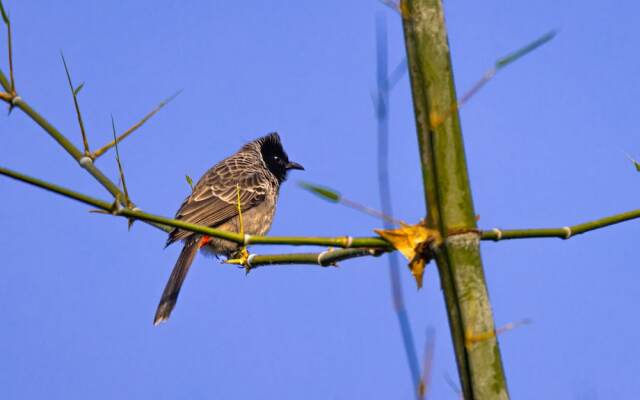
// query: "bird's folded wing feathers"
[[215, 199]]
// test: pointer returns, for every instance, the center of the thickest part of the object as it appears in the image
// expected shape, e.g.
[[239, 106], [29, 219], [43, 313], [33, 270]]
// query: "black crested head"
[[274, 156]]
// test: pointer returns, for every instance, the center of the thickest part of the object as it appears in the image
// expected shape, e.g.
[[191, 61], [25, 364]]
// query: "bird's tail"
[[179, 273]]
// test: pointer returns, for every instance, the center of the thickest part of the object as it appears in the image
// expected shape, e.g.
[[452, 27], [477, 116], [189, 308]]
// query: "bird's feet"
[[241, 257]]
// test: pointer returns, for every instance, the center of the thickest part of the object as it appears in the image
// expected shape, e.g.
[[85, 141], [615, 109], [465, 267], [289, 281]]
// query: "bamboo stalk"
[[449, 200], [421, 110]]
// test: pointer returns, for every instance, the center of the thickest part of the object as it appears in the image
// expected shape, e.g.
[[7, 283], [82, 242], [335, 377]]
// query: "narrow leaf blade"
[[78, 89], [508, 59], [5, 17], [321, 191], [189, 181]]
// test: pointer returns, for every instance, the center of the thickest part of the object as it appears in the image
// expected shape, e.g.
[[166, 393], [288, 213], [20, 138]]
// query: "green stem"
[[4, 82], [565, 232], [449, 200], [325, 259], [115, 209]]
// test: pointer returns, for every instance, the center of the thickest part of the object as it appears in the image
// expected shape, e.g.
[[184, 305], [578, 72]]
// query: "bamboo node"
[[85, 161], [15, 100], [567, 232], [321, 256], [471, 338], [349, 241], [249, 260], [403, 8], [116, 208], [246, 239], [467, 238], [498, 233]]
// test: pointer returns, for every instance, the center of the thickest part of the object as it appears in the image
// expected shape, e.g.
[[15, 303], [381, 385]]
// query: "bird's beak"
[[294, 165]]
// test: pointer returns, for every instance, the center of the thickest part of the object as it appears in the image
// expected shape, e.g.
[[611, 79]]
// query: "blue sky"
[[546, 143]]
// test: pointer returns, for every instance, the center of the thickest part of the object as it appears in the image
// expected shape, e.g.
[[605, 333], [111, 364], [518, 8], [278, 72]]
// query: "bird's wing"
[[215, 198]]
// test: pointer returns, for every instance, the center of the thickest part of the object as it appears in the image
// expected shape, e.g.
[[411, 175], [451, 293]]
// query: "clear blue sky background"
[[545, 144]]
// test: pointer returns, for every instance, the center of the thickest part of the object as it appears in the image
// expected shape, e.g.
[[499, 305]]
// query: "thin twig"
[[370, 211], [137, 125], [7, 21], [74, 94], [6, 85], [399, 72], [491, 72], [335, 197], [475, 337]]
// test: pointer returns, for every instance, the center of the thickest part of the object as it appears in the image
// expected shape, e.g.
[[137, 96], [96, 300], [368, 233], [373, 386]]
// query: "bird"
[[250, 178]]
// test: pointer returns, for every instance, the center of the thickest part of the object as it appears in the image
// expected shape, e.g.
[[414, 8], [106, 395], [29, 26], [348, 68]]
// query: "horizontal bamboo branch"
[[324, 259], [116, 209], [564, 232], [344, 242]]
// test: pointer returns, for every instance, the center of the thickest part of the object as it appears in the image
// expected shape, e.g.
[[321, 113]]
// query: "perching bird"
[[256, 172]]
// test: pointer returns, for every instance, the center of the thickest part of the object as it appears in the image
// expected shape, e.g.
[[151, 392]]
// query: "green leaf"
[[525, 50], [321, 191], [5, 17], [189, 181], [78, 89]]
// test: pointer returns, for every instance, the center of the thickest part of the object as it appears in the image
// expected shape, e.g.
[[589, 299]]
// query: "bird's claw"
[[242, 257]]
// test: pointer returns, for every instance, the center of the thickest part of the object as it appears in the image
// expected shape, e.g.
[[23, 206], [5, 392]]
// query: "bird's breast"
[[257, 220]]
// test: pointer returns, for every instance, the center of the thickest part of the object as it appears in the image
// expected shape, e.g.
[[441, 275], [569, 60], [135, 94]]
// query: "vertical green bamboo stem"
[[449, 200]]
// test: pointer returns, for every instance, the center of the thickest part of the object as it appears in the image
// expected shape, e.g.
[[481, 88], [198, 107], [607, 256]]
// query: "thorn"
[[76, 105], [97, 211], [127, 201]]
